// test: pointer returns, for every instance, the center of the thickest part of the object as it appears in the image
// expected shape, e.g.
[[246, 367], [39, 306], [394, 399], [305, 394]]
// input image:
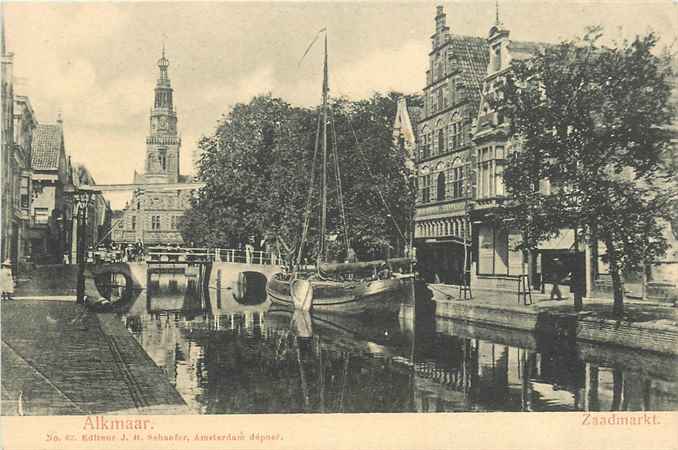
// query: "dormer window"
[[496, 58]]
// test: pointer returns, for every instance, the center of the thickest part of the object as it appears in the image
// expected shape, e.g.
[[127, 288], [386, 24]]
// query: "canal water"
[[224, 356]]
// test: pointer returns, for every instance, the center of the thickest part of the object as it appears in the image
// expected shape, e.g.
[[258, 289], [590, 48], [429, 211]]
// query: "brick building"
[[461, 146], [6, 144], [50, 207], [25, 123], [153, 214], [457, 65], [461, 149]]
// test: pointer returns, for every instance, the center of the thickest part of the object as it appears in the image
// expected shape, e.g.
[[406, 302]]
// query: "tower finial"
[[163, 63], [496, 4]]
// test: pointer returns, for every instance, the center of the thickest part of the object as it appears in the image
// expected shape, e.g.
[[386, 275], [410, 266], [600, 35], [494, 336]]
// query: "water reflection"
[[228, 357]]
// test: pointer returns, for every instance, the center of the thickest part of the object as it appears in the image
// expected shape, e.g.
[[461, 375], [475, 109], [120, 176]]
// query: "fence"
[[227, 255]]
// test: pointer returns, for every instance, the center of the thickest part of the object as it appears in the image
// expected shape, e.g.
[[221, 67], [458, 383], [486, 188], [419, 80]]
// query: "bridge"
[[99, 188], [236, 273]]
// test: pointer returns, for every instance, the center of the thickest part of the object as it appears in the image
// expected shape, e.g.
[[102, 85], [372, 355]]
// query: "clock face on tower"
[[163, 123]]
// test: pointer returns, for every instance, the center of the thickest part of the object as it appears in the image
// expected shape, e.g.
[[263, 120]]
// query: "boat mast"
[[322, 254]]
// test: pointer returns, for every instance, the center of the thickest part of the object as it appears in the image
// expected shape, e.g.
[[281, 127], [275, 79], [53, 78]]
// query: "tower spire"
[[163, 64], [3, 49], [497, 21]]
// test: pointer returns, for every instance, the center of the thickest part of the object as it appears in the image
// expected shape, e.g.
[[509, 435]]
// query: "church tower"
[[163, 142]]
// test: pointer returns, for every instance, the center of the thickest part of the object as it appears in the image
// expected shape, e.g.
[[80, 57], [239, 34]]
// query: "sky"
[[96, 62]]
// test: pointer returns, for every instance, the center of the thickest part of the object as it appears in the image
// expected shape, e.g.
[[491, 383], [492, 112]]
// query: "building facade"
[[494, 246], [50, 207], [24, 126], [153, 214], [6, 145], [461, 147], [18, 124], [444, 152]]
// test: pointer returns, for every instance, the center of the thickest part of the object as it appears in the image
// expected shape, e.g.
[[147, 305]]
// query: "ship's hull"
[[369, 298]]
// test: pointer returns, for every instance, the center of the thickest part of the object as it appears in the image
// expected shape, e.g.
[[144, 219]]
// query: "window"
[[455, 180], [424, 188], [134, 223], [155, 222], [496, 58], [485, 173], [174, 221], [163, 161], [498, 173], [25, 197], [458, 182], [453, 92], [441, 186], [41, 215], [426, 148], [441, 141], [441, 100], [456, 134]]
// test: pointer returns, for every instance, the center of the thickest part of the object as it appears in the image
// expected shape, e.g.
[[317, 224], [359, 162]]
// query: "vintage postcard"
[[339, 225]]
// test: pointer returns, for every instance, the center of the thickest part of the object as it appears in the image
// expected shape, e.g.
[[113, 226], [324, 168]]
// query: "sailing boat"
[[355, 288]]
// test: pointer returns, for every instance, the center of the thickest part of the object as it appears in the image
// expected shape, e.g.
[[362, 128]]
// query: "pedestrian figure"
[[578, 285], [249, 250], [351, 257], [139, 248], [559, 274], [6, 280]]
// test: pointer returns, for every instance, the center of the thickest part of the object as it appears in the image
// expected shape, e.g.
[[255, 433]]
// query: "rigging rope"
[[338, 177], [307, 212]]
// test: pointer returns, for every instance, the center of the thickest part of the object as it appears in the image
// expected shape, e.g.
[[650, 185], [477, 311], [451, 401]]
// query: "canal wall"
[[652, 336], [488, 314], [553, 318], [52, 279], [62, 279]]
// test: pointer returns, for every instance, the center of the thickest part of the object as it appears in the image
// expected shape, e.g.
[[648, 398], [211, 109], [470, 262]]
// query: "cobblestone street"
[[59, 358]]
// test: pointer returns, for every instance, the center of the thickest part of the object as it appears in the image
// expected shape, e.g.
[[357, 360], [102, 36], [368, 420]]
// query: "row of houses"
[[459, 143], [38, 224]]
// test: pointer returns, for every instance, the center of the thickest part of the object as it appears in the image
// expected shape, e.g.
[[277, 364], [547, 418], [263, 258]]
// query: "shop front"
[[441, 260]]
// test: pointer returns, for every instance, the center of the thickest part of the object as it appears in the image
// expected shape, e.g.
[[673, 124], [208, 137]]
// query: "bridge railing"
[[228, 255]]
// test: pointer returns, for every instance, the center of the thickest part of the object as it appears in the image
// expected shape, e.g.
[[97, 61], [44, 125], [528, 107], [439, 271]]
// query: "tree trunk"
[[617, 280], [617, 389], [577, 274], [643, 281]]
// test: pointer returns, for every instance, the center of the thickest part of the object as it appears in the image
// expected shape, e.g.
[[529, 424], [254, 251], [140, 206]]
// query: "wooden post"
[[589, 272], [80, 297]]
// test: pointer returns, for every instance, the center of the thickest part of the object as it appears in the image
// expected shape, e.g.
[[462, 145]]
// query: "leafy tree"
[[593, 121], [258, 164]]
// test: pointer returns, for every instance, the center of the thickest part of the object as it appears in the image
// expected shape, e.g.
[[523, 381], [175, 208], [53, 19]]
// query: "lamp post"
[[82, 200]]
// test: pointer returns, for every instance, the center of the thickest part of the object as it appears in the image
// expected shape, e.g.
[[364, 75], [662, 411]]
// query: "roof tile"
[[47, 142], [471, 54]]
